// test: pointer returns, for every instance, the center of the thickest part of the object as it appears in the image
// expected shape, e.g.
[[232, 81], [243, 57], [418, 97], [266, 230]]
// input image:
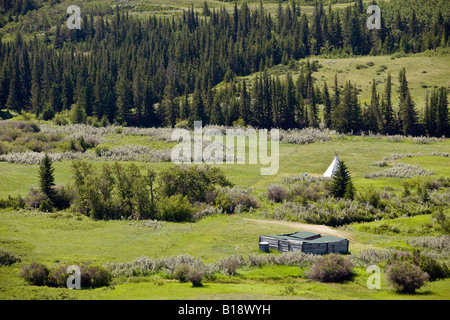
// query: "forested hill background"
[[140, 64]]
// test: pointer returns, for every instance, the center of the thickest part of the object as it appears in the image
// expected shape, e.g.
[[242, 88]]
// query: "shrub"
[[332, 268], [191, 181], [382, 163], [401, 170], [94, 276], [7, 258], [305, 136], [433, 242], [36, 273], [12, 202], [406, 277], [195, 276], [233, 200], [181, 272], [34, 198], [276, 193], [46, 206], [64, 196], [309, 191], [175, 208], [432, 267], [371, 196], [58, 276], [98, 276], [230, 264]]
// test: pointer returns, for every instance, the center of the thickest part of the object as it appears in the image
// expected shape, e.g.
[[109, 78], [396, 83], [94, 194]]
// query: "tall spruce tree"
[[386, 107], [407, 112], [442, 120], [327, 111], [341, 183], [46, 178]]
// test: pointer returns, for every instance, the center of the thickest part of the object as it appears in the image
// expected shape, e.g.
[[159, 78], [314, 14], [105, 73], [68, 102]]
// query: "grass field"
[[72, 238], [358, 152], [424, 72], [67, 238]]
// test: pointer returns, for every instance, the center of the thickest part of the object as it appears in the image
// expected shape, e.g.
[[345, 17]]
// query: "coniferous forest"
[[158, 70]]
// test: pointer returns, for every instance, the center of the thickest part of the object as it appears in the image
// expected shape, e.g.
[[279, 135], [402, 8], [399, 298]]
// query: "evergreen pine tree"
[[327, 111], [198, 108], [46, 178], [77, 114], [124, 98], [408, 116], [386, 108], [341, 183], [407, 112], [442, 120], [14, 97], [245, 103]]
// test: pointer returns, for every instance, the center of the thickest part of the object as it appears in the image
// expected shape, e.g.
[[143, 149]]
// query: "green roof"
[[325, 239], [305, 236]]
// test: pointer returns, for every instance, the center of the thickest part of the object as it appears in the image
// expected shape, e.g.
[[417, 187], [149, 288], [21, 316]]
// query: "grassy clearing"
[[65, 237], [358, 153], [423, 73]]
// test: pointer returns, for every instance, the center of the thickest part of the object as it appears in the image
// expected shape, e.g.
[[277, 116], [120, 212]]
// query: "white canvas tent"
[[332, 168]]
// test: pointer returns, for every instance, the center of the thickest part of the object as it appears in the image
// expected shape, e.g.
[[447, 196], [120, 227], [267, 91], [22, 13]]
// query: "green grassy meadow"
[[425, 71], [73, 238]]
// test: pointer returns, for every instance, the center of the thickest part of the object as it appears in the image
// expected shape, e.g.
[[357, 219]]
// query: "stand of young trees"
[[161, 70]]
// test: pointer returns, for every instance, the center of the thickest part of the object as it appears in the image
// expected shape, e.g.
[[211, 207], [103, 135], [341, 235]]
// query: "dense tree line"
[[161, 70]]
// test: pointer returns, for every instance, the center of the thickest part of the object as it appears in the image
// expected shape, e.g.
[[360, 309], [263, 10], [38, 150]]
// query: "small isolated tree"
[[341, 184], [406, 277], [46, 178]]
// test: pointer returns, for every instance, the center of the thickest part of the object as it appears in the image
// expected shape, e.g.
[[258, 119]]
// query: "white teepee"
[[332, 168]]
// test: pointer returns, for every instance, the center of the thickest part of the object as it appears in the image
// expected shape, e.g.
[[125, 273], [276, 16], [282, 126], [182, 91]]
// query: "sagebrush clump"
[[332, 268], [406, 277]]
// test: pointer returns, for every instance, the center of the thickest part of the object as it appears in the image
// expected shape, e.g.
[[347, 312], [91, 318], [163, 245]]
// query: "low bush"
[[332, 268], [175, 208], [46, 206], [406, 277], [305, 136], [371, 256], [230, 264], [92, 276], [371, 196], [313, 192], [15, 203], [432, 267], [432, 242], [95, 276], [191, 181], [58, 276], [36, 273], [235, 200], [181, 272], [195, 276], [7, 258], [34, 198], [64, 196], [401, 170], [276, 193]]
